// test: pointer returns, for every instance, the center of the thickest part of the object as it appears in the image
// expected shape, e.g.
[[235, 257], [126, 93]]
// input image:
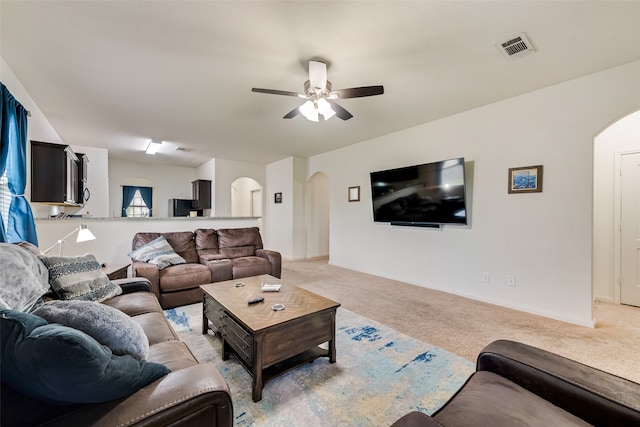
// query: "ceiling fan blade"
[[340, 111], [274, 92], [291, 114], [358, 92], [318, 74]]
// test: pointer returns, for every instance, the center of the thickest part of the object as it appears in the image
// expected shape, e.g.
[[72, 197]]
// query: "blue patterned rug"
[[380, 375]]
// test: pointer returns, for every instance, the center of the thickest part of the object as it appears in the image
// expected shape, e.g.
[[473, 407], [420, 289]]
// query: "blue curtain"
[[147, 197], [127, 196], [4, 154], [13, 134]]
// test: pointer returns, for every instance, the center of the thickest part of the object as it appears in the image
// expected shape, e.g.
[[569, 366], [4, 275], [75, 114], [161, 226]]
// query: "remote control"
[[255, 300]]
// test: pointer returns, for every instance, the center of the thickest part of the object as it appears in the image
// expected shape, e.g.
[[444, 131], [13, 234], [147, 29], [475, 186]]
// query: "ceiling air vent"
[[517, 47]]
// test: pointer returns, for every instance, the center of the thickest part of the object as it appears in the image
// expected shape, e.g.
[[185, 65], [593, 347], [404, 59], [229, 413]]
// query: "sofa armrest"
[[149, 272], [197, 395], [133, 284], [595, 396], [274, 258]]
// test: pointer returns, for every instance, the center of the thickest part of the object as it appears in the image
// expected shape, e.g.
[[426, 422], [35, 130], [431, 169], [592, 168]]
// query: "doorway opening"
[[246, 198], [616, 219]]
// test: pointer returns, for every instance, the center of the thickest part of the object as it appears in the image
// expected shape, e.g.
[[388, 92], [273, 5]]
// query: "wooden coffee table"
[[268, 342]]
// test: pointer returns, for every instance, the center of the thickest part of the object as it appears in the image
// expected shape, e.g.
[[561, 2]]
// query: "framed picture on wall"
[[527, 179], [277, 198], [354, 194]]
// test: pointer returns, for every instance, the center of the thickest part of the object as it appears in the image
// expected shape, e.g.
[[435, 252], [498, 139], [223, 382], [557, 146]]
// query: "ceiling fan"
[[320, 99]]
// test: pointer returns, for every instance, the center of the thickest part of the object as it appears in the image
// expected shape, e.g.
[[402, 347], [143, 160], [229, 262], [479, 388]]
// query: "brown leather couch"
[[192, 394], [211, 255], [519, 385]]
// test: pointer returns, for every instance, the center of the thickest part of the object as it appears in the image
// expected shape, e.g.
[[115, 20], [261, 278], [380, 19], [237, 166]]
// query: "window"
[[137, 208], [5, 199]]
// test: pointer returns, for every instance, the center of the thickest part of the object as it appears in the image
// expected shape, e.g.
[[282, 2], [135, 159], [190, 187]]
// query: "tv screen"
[[420, 195]]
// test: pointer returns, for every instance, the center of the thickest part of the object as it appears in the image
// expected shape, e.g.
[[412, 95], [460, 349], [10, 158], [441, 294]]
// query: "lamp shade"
[[84, 234]]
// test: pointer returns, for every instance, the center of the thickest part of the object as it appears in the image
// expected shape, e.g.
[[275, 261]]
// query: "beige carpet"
[[464, 326]]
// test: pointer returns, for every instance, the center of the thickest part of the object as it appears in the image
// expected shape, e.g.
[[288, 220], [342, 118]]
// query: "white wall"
[[286, 227], [278, 228], [317, 215], [208, 171], [299, 181], [622, 136], [544, 239], [168, 182]]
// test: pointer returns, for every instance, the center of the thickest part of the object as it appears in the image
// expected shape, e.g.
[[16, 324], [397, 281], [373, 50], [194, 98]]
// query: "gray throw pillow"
[[158, 252], [107, 325], [23, 278], [79, 278]]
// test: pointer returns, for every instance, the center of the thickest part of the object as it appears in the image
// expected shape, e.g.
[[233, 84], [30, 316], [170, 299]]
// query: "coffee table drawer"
[[214, 312], [297, 337], [240, 340]]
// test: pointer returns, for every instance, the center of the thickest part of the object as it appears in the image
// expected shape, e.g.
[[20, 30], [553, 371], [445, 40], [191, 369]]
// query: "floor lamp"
[[84, 234]]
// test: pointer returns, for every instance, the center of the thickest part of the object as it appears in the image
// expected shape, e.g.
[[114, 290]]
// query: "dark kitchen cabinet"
[[201, 194], [55, 174]]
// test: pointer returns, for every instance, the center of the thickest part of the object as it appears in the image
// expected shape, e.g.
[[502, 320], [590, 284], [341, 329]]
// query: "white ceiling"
[[116, 73]]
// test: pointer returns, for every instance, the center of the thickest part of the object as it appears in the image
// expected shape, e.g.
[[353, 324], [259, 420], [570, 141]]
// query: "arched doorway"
[[618, 141], [317, 207], [246, 197]]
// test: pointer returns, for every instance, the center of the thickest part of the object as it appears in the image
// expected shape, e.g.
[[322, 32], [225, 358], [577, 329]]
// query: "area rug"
[[380, 375]]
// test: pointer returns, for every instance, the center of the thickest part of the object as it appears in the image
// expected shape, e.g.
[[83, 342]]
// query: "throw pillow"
[[62, 366], [107, 325], [80, 278], [23, 278], [158, 252]]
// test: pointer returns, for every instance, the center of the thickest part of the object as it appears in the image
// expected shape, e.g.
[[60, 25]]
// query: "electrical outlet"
[[511, 280], [485, 277]]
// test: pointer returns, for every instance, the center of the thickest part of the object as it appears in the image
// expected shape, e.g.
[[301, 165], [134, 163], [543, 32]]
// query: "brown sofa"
[[519, 385], [191, 394], [211, 256]]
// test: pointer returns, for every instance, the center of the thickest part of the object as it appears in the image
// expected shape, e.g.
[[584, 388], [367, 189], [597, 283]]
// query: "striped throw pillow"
[[79, 278], [159, 252]]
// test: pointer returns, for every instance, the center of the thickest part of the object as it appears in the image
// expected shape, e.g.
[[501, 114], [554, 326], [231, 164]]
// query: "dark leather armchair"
[[516, 384]]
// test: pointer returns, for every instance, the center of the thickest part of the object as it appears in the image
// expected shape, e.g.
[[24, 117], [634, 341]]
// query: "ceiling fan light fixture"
[[325, 109], [309, 110], [153, 147]]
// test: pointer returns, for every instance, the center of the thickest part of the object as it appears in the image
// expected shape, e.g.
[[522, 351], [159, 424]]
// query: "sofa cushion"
[[158, 252], [250, 266], [185, 276], [237, 237], [29, 278], [238, 252], [488, 399], [61, 365], [105, 324], [79, 278], [135, 303], [156, 328], [206, 240]]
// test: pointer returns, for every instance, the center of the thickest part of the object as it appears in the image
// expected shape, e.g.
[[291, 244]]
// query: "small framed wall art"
[[277, 198], [354, 194], [527, 179]]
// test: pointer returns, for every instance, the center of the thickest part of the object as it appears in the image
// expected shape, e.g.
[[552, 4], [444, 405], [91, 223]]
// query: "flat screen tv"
[[430, 194]]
